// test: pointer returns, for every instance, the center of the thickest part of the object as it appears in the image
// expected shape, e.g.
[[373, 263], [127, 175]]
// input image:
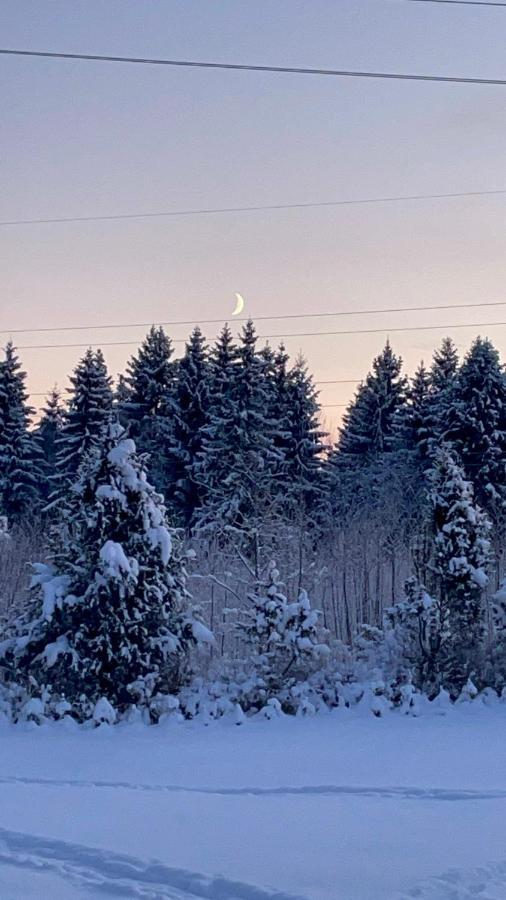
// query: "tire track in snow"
[[485, 882], [121, 875], [406, 793]]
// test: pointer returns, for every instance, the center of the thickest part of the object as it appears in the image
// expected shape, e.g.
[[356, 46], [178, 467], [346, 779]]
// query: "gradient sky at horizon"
[[96, 139]]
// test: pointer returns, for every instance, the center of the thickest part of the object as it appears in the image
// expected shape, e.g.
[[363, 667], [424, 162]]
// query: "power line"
[[299, 334], [282, 317], [463, 2], [243, 67], [272, 207]]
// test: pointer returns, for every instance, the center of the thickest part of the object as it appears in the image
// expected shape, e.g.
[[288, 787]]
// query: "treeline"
[[396, 532], [232, 431]]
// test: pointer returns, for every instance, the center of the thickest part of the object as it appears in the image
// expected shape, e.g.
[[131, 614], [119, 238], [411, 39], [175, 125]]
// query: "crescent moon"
[[239, 304]]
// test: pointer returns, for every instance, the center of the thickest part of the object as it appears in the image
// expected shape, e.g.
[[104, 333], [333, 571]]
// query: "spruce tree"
[[148, 380], [144, 402], [21, 474], [477, 427], [88, 411], [461, 555], [301, 444], [189, 399], [238, 452], [110, 616], [369, 422], [413, 422], [282, 636], [445, 365], [213, 467], [47, 435], [442, 399]]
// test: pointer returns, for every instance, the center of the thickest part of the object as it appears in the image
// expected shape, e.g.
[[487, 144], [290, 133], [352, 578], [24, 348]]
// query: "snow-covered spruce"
[[281, 636], [144, 401], [110, 618], [88, 411], [20, 457], [477, 427], [458, 575]]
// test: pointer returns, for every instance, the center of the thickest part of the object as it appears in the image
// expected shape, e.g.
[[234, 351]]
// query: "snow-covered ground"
[[338, 807]]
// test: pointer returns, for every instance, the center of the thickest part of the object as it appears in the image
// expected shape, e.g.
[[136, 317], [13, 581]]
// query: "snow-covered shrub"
[[281, 636], [468, 693], [34, 710], [104, 713]]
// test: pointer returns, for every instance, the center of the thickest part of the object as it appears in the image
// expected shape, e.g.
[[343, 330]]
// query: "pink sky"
[[85, 139]]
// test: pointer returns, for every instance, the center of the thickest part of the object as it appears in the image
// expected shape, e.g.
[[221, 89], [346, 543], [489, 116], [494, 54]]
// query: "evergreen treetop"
[[189, 399], [369, 422], [88, 411], [477, 426], [20, 459]]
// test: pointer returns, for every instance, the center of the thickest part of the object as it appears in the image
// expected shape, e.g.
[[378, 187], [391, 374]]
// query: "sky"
[[83, 138]]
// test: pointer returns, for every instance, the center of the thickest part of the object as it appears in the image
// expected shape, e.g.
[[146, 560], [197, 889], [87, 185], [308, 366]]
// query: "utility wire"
[[462, 2], [273, 207], [284, 316], [242, 67], [299, 334]]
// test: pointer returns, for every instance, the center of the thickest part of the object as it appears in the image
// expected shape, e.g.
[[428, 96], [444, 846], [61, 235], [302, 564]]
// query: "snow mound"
[[485, 882]]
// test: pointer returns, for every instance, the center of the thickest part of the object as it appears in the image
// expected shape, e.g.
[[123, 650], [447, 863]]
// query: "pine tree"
[[190, 403], [369, 422], [20, 464], [88, 411], [110, 616], [47, 435], [477, 428], [459, 565]]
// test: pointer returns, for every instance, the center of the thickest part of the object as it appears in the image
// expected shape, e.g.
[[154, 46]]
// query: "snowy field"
[[339, 807]]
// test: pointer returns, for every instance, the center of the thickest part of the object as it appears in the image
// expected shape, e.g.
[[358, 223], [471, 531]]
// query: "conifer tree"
[[148, 380], [110, 616], [459, 565], [238, 452], [144, 402], [369, 422], [282, 635], [20, 464], [413, 421], [88, 411], [477, 428], [301, 444], [445, 365], [213, 466], [47, 435], [189, 400], [442, 400]]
